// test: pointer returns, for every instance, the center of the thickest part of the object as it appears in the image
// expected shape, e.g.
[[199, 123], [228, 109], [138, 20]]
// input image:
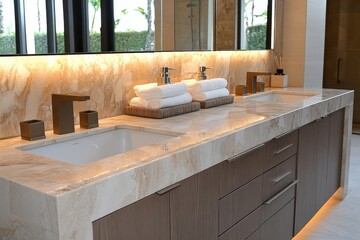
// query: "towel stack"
[[207, 89], [152, 96]]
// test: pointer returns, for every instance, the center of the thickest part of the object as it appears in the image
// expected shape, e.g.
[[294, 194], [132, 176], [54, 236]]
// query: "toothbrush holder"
[[32, 130], [89, 119]]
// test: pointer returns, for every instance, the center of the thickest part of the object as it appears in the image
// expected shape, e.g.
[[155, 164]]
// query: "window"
[[253, 25], [7, 27], [138, 34], [94, 25]]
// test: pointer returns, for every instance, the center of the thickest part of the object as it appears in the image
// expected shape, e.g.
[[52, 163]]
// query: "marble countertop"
[[47, 199]]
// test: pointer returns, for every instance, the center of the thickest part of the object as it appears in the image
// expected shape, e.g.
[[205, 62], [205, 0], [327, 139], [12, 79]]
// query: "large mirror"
[[62, 26]]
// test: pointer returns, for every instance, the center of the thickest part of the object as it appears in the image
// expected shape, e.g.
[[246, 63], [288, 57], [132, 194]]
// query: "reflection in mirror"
[[243, 24], [128, 26], [133, 24], [253, 24], [184, 25], [36, 32], [7, 28]]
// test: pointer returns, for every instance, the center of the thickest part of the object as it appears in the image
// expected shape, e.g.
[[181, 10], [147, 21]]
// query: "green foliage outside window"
[[256, 37], [124, 42]]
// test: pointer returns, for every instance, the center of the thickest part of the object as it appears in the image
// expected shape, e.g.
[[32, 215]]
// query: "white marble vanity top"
[[46, 199]]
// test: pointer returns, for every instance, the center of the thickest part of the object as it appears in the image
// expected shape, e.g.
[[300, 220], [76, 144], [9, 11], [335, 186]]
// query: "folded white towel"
[[161, 103], [205, 85], [157, 92], [202, 96], [144, 86]]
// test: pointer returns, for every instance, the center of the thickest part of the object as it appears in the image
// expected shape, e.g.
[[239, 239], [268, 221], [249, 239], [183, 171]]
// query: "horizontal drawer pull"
[[283, 149], [232, 159], [268, 202], [168, 189], [281, 177]]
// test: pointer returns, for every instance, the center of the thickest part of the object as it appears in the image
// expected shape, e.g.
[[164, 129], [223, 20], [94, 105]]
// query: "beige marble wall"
[[26, 83]]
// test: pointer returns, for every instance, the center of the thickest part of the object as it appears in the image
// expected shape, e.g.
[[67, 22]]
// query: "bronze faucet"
[[63, 111], [251, 79]]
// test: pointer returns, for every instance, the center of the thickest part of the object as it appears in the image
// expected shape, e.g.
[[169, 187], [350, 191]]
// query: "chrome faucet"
[[63, 111], [164, 77], [251, 80], [201, 75]]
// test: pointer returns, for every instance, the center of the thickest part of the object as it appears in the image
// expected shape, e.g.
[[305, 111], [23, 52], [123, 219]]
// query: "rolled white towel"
[[202, 96], [205, 85], [161, 103], [151, 91]]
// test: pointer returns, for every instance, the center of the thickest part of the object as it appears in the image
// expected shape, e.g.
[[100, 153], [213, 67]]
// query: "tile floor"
[[339, 220]]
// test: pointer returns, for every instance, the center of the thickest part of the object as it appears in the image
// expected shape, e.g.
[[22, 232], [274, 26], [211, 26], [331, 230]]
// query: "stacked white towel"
[[207, 89], [154, 97]]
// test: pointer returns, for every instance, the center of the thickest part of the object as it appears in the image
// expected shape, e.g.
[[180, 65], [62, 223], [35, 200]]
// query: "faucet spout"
[[251, 79], [69, 97], [63, 111]]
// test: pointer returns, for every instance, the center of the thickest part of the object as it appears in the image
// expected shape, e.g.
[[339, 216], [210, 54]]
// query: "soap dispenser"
[[164, 77], [201, 75]]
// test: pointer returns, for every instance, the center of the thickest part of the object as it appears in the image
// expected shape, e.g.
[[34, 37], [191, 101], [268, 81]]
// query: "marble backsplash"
[[27, 82]]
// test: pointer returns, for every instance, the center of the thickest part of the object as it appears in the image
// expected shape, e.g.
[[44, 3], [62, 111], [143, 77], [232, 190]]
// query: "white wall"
[[303, 42]]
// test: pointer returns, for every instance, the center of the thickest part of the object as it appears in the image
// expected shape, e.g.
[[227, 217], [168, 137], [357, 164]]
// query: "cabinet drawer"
[[280, 149], [241, 169], [238, 204], [279, 200], [280, 226], [243, 229], [278, 177], [256, 235]]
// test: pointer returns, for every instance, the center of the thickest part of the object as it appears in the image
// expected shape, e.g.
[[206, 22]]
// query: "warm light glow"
[[317, 219]]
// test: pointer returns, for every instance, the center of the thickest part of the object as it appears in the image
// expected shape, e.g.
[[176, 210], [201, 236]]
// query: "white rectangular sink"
[[87, 149], [283, 97]]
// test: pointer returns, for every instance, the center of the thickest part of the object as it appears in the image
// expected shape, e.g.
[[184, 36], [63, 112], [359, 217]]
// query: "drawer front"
[[238, 204], [281, 225], [241, 169], [245, 228], [280, 149], [255, 236], [279, 200], [278, 177]]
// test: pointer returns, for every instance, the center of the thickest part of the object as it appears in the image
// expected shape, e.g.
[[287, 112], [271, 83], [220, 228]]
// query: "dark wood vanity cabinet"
[[319, 165], [145, 219], [269, 192], [187, 210]]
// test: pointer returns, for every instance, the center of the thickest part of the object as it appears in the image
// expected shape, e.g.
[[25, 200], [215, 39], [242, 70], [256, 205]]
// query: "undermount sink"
[[283, 97], [87, 149]]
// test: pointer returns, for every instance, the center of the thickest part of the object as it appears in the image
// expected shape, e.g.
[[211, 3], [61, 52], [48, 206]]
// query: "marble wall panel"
[[27, 82]]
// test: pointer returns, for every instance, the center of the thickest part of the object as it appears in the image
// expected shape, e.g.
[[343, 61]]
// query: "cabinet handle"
[[168, 189], [281, 177], [283, 149], [338, 70], [232, 159], [268, 202]]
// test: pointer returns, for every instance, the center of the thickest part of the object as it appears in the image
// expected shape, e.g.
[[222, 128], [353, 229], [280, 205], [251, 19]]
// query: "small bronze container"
[[260, 86], [32, 130], [89, 119], [240, 90]]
